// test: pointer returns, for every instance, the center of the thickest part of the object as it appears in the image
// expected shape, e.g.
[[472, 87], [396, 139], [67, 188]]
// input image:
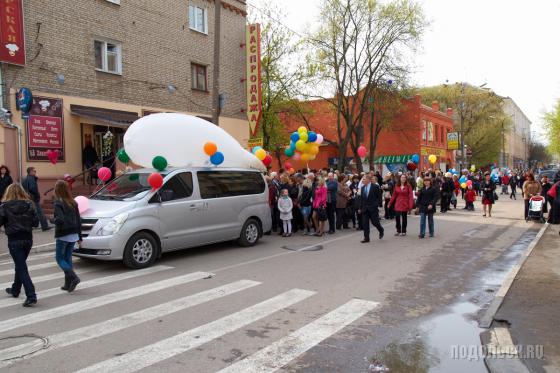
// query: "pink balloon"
[[319, 139], [296, 156], [362, 151], [104, 174], [469, 182], [83, 203]]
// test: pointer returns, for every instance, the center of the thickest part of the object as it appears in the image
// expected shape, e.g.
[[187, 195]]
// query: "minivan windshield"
[[128, 187]]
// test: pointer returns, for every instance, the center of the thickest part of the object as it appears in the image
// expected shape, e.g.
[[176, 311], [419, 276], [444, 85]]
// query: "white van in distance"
[[129, 221]]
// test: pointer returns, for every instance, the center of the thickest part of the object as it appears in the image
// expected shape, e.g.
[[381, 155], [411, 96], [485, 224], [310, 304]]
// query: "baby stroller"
[[536, 204]]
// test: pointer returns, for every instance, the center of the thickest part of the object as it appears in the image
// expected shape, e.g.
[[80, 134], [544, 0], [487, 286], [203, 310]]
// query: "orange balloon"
[[210, 148]]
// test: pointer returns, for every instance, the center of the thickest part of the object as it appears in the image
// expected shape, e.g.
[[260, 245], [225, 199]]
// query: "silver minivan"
[[129, 221]]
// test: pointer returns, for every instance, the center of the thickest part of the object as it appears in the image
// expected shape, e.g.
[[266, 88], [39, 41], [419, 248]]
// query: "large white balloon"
[[180, 139]]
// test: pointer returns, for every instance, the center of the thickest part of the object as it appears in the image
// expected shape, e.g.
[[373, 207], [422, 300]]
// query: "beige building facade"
[[516, 137], [107, 63]]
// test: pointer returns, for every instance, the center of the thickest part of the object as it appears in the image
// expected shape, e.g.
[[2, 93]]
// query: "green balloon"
[[122, 156], [159, 163], [134, 177]]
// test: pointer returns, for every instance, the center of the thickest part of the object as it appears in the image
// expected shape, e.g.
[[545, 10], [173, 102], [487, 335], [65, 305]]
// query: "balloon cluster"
[[453, 171], [216, 157], [464, 182], [304, 145], [262, 155], [412, 164]]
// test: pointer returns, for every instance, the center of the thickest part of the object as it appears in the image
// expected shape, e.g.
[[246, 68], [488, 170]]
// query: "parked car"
[[129, 221], [550, 173]]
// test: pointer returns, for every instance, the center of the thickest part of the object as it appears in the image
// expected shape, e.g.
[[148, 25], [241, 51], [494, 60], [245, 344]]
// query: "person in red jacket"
[[505, 183], [470, 197], [403, 201]]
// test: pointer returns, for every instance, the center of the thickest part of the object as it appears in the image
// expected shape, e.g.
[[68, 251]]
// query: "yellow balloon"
[[300, 145], [303, 136], [473, 168], [432, 159], [312, 157], [260, 154], [314, 150], [302, 129], [464, 185], [306, 157]]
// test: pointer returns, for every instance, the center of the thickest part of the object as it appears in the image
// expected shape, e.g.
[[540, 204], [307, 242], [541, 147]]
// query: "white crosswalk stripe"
[[126, 321], [89, 284], [103, 300], [30, 268], [167, 348], [53, 276], [280, 353], [31, 258]]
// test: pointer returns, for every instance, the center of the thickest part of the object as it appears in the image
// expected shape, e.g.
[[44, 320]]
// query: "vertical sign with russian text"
[[254, 90], [12, 38], [45, 129]]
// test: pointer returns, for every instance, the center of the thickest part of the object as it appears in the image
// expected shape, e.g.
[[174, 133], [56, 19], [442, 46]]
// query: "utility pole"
[[216, 74], [461, 116]]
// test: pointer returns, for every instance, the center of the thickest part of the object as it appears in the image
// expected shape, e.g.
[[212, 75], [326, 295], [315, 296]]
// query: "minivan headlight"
[[109, 227]]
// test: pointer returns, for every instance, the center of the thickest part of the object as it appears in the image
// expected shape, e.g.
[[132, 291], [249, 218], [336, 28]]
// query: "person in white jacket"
[[285, 206]]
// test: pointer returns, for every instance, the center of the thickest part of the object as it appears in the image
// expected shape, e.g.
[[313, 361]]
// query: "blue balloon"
[[463, 179], [311, 136], [415, 158], [217, 158], [294, 136], [289, 152], [293, 146], [256, 148]]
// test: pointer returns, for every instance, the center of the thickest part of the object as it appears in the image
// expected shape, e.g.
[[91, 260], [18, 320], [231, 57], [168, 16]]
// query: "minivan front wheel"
[[140, 251], [250, 233]]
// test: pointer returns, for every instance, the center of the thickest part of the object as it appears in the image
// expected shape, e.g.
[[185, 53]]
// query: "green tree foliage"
[[552, 126], [538, 154], [480, 111], [359, 44]]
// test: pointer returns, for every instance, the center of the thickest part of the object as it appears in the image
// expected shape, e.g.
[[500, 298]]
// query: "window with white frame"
[[198, 19], [108, 56], [198, 77]]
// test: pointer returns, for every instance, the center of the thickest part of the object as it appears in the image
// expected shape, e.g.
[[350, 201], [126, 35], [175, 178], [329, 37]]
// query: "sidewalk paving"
[[42, 241], [532, 305]]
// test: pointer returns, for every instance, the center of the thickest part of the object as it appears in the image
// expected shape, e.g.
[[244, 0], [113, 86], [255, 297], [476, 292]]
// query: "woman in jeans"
[[402, 201], [67, 232], [305, 205], [18, 216], [426, 206]]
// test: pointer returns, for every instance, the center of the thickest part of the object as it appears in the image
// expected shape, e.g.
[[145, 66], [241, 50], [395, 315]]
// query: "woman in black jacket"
[[306, 205], [488, 189], [18, 216], [5, 179], [426, 206], [67, 232]]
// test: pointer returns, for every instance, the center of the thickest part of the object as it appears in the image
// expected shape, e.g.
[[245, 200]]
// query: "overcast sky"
[[512, 46]]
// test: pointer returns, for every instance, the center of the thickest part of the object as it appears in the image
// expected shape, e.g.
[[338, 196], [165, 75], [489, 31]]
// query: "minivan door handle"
[[195, 206]]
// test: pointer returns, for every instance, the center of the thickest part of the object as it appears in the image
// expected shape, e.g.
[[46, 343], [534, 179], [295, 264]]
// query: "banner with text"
[[12, 38], [45, 129], [453, 141], [254, 90]]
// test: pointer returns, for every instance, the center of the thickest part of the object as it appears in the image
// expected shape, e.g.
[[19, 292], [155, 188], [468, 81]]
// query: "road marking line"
[[52, 276], [31, 257], [126, 321], [280, 353], [89, 284], [30, 268], [167, 348], [103, 300]]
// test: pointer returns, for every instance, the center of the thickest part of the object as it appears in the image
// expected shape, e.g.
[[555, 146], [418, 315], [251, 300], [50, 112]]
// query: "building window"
[[198, 19], [108, 56], [430, 131], [424, 129], [198, 77]]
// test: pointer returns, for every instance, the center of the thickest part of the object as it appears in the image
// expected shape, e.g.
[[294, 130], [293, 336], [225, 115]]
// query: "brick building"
[[417, 129], [101, 64]]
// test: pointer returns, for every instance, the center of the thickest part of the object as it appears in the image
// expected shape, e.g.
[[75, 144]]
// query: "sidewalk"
[[532, 304], [42, 241]]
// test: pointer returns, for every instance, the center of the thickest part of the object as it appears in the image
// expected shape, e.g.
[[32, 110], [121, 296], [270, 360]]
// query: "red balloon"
[[104, 174], [267, 161], [362, 151], [53, 155], [287, 165], [411, 166], [155, 180]]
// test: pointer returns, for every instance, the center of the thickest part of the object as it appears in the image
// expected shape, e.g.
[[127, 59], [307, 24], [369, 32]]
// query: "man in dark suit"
[[369, 208]]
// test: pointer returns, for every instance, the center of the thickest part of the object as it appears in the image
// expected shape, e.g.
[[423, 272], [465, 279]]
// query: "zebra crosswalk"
[[152, 351]]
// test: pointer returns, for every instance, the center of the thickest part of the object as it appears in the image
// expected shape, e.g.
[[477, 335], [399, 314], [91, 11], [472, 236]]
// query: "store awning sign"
[[254, 89], [12, 37], [391, 159]]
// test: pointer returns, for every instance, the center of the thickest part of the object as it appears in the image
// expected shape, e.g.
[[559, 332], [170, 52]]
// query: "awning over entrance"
[[116, 118]]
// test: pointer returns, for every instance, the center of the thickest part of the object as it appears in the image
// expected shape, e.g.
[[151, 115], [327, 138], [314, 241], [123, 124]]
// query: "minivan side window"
[[216, 184], [178, 187]]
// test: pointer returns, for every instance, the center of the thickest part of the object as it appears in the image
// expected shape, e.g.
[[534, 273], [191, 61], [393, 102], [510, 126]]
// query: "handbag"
[[322, 214], [495, 196]]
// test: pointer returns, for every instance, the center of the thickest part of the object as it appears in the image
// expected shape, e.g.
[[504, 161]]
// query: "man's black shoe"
[[381, 234], [9, 291], [364, 241], [29, 302]]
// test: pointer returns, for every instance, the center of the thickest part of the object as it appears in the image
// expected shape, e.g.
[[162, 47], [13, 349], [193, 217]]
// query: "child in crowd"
[[285, 206], [470, 197]]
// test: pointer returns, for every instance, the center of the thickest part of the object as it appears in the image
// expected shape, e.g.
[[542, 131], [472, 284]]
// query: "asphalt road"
[[308, 304]]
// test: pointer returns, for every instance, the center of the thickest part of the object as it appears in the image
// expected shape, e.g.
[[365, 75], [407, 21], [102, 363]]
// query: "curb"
[[488, 318], [501, 354], [36, 249]]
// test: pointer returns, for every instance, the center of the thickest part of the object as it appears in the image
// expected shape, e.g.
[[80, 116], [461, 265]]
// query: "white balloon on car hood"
[[180, 139]]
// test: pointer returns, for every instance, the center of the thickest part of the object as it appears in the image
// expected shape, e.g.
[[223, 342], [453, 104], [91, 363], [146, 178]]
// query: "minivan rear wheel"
[[141, 251], [250, 233]]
